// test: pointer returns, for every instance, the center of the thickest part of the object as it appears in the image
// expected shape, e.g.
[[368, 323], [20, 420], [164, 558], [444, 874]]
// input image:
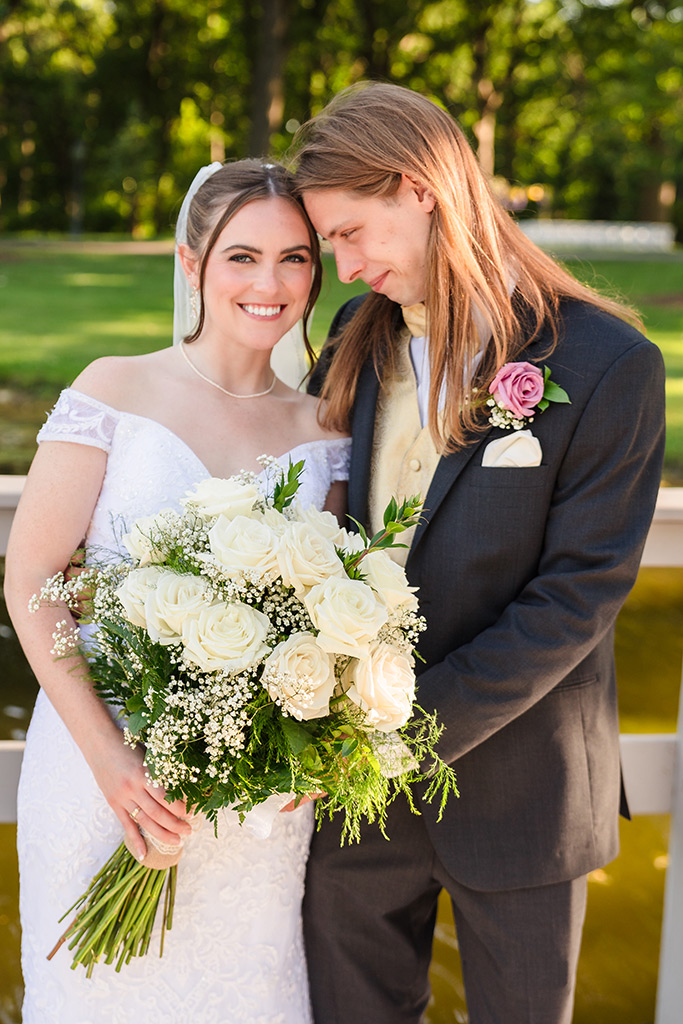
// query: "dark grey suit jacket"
[[521, 573]]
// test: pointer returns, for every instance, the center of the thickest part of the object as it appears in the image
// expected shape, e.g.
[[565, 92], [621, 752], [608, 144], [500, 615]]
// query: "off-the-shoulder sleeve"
[[79, 418], [339, 459]]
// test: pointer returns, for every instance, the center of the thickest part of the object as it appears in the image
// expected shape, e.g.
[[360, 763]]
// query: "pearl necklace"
[[258, 394]]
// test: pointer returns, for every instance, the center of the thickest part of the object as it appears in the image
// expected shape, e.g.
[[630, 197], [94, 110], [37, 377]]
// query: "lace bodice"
[[150, 468], [235, 953]]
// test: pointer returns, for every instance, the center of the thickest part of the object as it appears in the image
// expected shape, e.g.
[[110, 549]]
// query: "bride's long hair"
[[224, 194], [363, 141]]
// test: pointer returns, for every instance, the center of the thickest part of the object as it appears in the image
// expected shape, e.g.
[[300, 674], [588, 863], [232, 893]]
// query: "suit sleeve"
[[602, 505]]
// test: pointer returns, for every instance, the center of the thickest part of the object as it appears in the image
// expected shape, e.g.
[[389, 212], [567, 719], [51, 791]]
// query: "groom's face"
[[382, 242]]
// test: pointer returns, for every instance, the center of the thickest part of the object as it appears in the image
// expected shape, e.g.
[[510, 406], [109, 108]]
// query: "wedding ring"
[[134, 813]]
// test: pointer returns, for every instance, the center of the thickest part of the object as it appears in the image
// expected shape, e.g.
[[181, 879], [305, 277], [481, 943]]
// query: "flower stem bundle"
[[116, 914]]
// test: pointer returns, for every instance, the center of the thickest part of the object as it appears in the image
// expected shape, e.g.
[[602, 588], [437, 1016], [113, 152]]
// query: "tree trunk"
[[268, 101], [154, 71], [486, 97], [376, 57], [76, 205], [485, 128], [650, 206]]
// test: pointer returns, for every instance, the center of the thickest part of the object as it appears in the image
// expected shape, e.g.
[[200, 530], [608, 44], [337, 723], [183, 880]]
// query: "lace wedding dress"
[[235, 952]]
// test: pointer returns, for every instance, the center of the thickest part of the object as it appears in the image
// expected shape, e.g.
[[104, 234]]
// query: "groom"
[[536, 515]]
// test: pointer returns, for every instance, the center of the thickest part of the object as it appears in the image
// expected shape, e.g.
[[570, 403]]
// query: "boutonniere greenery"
[[518, 392]]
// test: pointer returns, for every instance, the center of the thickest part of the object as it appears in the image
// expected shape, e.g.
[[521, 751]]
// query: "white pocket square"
[[518, 449]]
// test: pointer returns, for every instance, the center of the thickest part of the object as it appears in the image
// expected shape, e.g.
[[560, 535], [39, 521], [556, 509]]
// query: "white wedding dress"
[[235, 952]]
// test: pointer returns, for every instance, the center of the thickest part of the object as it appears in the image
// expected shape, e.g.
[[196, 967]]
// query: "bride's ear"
[[189, 263]]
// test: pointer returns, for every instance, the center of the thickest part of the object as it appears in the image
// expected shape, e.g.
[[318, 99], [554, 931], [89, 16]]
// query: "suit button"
[[415, 465]]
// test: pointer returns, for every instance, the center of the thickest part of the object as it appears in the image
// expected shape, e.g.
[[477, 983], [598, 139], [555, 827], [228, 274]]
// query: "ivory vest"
[[404, 456]]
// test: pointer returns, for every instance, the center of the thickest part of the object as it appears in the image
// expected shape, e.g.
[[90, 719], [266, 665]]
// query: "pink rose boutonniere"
[[519, 391]]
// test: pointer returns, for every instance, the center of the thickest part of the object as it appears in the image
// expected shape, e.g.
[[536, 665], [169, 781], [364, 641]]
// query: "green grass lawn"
[[62, 308]]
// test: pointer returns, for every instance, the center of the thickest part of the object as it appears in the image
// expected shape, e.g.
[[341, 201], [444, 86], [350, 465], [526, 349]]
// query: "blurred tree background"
[[108, 106]]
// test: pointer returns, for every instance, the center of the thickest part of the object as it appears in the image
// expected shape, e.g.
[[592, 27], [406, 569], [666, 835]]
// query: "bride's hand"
[[120, 774], [294, 804]]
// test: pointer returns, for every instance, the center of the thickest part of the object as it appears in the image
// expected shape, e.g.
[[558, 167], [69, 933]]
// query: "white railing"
[[664, 545], [603, 235], [652, 763]]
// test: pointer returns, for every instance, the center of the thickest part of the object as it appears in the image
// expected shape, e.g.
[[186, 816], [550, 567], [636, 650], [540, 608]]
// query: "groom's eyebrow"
[[329, 235]]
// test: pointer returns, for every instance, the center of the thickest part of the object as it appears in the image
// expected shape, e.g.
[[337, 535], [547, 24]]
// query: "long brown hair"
[[367, 137], [217, 201]]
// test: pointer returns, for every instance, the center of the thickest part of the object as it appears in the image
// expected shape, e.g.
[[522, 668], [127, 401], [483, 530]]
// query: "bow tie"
[[415, 318]]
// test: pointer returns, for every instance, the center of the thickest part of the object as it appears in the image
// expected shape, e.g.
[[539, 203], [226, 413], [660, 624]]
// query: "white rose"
[[216, 497], [347, 613], [243, 544], [351, 542], [305, 558], [383, 686], [274, 519], [132, 593], [300, 675], [389, 580], [324, 522], [174, 598], [144, 540], [225, 636]]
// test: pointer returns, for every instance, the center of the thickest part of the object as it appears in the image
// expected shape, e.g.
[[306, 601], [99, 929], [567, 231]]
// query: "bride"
[[129, 437]]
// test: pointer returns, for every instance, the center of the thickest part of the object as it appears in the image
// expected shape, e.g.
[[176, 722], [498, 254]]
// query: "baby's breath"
[[503, 418], [65, 639]]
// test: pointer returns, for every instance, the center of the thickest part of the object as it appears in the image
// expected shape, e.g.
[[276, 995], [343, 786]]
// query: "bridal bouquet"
[[260, 652]]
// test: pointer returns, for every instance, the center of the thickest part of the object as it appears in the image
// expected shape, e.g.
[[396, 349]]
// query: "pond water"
[[618, 965]]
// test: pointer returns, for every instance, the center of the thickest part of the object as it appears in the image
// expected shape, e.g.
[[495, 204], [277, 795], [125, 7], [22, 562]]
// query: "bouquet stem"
[[116, 914]]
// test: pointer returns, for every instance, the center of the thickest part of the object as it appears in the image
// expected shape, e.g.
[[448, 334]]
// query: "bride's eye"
[[241, 257], [295, 257]]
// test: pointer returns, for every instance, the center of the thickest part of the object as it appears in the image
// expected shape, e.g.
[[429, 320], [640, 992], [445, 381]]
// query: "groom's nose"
[[349, 267]]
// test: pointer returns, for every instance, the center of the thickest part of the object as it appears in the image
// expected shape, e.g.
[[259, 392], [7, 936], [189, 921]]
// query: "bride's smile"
[[263, 312]]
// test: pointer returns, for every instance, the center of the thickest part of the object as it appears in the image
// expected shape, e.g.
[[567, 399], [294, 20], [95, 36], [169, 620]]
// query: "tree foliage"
[[107, 108]]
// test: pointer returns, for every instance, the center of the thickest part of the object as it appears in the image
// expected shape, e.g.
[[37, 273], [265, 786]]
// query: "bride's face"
[[258, 275]]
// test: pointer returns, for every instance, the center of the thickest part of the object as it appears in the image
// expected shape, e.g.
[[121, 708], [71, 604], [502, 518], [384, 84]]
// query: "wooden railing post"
[[11, 752], [670, 978]]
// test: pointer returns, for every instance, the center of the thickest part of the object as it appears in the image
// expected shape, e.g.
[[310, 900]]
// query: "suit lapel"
[[362, 433]]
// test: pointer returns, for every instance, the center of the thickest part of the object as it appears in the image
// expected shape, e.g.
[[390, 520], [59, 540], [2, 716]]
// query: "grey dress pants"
[[369, 915]]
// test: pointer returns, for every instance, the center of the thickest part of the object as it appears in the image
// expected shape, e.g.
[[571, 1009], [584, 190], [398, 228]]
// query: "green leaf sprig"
[[397, 519], [287, 485], [552, 392]]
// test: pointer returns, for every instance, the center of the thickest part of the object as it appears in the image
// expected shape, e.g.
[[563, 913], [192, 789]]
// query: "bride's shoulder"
[[117, 380], [310, 412]]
